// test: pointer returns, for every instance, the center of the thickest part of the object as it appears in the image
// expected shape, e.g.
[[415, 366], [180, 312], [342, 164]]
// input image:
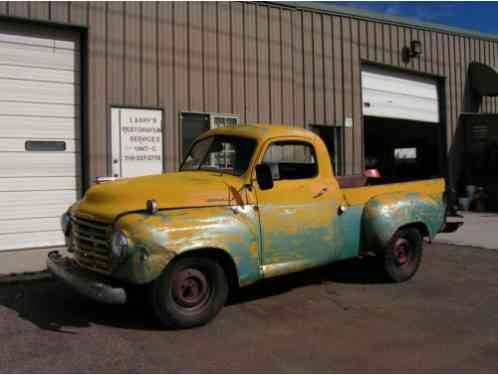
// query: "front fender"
[[156, 239], [384, 214]]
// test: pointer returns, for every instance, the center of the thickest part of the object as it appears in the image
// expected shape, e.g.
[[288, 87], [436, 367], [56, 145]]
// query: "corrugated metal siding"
[[261, 61]]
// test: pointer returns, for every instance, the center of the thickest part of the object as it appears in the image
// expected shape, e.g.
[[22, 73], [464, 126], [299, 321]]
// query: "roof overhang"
[[483, 79]]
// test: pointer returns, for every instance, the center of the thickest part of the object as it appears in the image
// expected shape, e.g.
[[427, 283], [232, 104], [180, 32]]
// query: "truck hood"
[[104, 202]]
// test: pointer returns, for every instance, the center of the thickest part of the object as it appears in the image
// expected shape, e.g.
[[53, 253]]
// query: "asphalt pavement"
[[340, 318]]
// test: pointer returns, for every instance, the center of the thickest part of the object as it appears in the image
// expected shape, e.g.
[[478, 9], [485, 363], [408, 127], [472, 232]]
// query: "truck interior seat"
[[352, 181]]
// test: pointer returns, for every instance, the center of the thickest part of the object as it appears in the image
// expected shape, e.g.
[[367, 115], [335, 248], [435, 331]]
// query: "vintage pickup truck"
[[248, 203]]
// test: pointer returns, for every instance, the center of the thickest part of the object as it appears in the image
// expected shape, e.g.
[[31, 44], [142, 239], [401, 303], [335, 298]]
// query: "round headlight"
[[119, 244], [65, 223]]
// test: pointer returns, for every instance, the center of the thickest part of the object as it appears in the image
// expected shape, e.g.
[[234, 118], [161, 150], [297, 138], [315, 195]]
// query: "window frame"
[[182, 152], [249, 166], [404, 161], [213, 116], [297, 141], [210, 118]]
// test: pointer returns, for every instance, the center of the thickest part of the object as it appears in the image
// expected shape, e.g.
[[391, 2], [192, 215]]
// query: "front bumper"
[[84, 282]]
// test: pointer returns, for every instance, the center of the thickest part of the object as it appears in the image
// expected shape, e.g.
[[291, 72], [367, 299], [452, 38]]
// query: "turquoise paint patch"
[[233, 230], [385, 214], [349, 232]]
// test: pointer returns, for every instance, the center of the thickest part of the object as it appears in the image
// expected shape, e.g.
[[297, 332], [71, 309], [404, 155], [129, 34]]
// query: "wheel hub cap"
[[190, 287], [402, 251]]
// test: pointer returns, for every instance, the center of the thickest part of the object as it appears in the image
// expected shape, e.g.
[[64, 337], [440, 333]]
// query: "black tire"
[[403, 255], [190, 292]]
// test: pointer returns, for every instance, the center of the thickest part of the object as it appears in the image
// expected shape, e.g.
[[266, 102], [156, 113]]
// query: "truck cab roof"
[[262, 131]]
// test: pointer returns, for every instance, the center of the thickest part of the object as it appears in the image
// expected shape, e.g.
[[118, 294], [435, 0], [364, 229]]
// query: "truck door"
[[297, 215]]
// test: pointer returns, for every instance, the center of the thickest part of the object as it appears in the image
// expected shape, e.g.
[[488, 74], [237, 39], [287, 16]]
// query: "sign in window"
[[405, 155]]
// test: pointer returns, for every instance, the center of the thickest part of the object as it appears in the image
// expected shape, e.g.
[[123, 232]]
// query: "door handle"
[[321, 192]]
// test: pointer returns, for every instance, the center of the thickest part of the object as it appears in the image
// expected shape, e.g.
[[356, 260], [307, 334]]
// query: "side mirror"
[[264, 177]]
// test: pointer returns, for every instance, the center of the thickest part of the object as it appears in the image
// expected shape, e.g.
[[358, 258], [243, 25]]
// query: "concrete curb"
[[24, 277], [26, 265]]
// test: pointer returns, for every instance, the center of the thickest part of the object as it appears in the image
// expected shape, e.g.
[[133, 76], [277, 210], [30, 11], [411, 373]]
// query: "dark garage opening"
[[333, 138], [403, 150], [478, 165]]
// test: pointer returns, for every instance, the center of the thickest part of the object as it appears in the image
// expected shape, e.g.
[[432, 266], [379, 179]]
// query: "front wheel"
[[403, 255], [190, 292]]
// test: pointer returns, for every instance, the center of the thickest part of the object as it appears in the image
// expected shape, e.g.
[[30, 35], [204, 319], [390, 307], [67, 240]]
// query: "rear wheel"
[[190, 292], [403, 255]]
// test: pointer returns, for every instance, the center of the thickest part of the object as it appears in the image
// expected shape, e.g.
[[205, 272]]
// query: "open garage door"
[[39, 134], [399, 95], [403, 136]]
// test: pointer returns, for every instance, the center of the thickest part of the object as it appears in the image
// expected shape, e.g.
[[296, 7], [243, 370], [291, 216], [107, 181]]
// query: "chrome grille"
[[91, 244]]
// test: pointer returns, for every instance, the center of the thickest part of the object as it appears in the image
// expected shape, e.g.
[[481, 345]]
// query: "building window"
[[194, 124], [220, 120], [405, 155]]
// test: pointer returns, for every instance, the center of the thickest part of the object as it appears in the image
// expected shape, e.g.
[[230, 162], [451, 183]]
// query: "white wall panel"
[[39, 101], [50, 58], [39, 127], [399, 95], [12, 36], [12, 226], [35, 204], [38, 109], [37, 183], [38, 164], [36, 239], [37, 92], [19, 145], [38, 74]]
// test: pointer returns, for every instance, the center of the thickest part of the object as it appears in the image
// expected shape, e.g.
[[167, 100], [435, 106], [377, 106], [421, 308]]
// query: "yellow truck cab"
[[249, 202]]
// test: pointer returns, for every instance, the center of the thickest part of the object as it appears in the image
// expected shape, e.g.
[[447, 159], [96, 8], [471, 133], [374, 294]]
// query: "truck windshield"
[[230, 155]]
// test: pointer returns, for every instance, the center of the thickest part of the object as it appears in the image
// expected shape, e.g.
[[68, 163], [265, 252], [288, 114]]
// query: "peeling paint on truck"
[[158, 238], [296, 225]]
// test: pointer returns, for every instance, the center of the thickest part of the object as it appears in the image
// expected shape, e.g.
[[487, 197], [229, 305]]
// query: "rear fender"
[[384, 214]]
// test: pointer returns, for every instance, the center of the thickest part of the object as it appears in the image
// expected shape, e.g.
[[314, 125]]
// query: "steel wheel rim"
[[191, 288], [403, 252]]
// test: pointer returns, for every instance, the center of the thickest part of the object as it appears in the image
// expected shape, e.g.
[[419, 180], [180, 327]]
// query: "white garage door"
[[399, 95], [39, 134]]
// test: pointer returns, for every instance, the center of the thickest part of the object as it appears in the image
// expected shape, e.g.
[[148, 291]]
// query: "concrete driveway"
[[341, 318], [478, 230]]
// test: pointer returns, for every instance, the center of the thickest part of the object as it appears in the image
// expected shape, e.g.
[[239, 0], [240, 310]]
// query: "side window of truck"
[[291, 160]]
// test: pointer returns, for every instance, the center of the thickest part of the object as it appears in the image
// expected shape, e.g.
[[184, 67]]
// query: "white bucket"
[[470, 190], [464, 202]]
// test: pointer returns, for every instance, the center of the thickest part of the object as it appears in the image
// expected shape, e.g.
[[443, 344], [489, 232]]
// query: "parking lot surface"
[[340, 318]]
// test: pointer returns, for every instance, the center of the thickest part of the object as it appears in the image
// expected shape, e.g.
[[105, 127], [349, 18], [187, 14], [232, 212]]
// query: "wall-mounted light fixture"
[[415, 50]]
